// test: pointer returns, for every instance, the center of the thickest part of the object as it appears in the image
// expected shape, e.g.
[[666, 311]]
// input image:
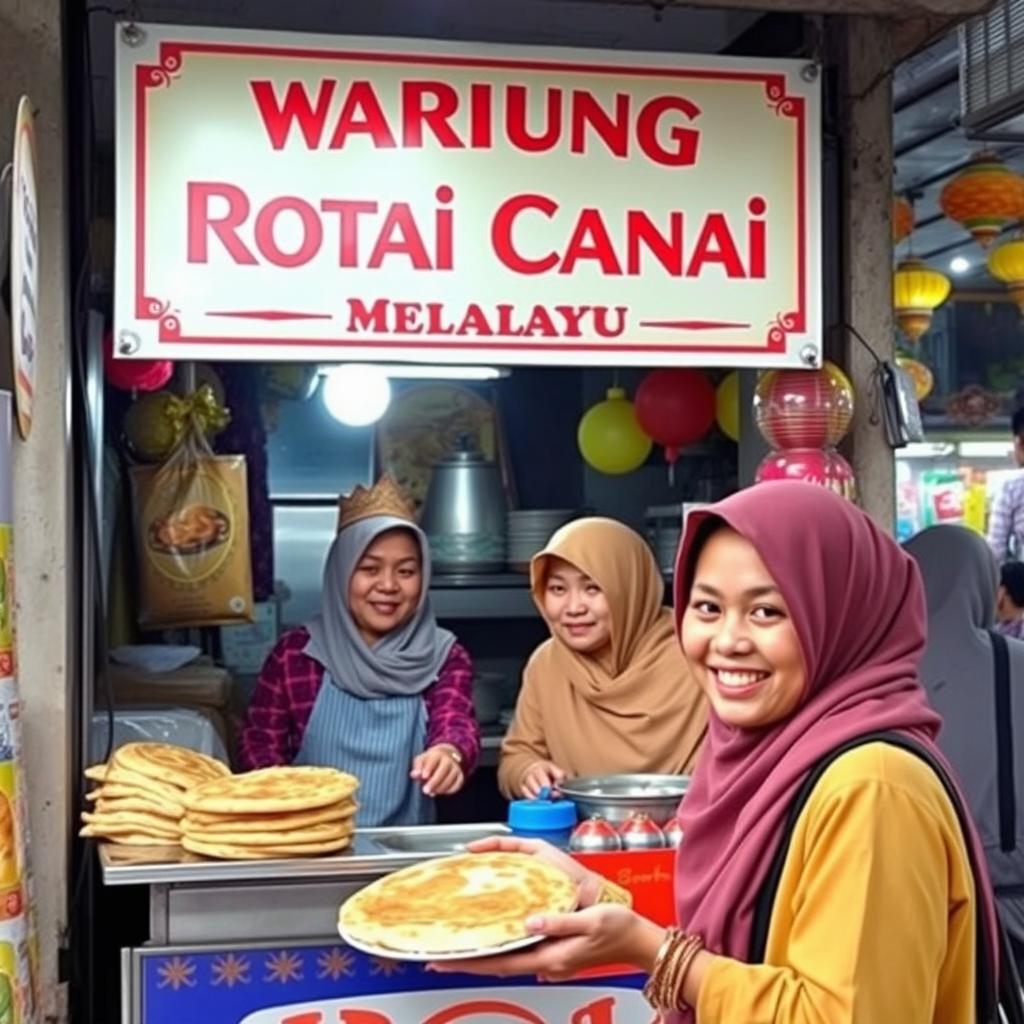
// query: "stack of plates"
[[664, 529], [529, 530]]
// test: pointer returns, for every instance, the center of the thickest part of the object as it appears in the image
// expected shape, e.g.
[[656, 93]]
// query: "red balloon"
[[135, 374], [675, 408]]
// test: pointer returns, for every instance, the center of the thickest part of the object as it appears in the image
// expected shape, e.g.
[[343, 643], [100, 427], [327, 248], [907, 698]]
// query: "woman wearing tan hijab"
[[610, 690]]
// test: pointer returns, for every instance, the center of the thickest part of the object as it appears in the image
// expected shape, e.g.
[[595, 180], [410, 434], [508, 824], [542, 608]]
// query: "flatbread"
[[281, 788], [469, 902], [132, 819], [314, 834], [115, 774], [126, 838], [115, 804], [119, 791], [227, 852], [167, 763], [199, 821]]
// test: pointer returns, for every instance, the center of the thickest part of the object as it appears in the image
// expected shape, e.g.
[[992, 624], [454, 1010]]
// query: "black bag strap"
[[989, 997], [1007, 787]]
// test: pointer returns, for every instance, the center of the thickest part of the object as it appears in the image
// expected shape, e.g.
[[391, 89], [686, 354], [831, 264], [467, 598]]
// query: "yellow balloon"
[[727, 405], [610, 438]]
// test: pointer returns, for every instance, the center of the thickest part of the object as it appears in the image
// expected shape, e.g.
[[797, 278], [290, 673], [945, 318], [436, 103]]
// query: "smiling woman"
[[371, 685], [829, 870], [610, 691]]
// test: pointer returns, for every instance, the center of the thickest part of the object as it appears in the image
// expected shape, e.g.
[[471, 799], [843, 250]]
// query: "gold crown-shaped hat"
[[384, 498]]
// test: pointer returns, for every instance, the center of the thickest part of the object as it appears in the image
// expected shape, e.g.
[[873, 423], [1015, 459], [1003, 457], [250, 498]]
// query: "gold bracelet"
[[671, 965], [612, 893]]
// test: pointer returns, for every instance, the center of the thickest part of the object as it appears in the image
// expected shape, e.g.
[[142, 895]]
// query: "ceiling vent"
[[992, 74]]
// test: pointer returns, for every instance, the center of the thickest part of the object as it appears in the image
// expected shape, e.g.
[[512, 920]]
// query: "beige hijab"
[[638, 710]]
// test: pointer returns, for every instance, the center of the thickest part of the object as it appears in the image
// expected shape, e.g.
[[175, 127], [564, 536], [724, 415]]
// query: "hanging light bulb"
[[356, 394]]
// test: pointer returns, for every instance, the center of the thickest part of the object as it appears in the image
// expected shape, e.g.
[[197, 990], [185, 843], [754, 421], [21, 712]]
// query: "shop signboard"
[[300, 197], [335, 984]]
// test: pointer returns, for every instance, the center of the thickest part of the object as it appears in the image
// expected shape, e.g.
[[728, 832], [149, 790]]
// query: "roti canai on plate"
[[471, 902]]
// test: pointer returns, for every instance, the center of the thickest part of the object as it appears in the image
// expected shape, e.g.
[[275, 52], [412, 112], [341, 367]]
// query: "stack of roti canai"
[[138, 801], [289, 811]]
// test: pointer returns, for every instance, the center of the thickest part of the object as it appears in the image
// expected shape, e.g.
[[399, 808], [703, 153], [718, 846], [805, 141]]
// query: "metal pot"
[[618, 797], [465, 513]]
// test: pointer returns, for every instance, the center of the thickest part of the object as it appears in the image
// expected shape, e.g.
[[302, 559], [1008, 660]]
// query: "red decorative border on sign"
[[172, 56]]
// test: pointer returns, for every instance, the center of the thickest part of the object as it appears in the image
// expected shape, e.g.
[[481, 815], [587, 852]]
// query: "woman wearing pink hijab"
[[828, 871]]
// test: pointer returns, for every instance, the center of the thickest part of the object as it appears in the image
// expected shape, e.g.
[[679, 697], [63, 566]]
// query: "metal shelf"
[[482, 596]]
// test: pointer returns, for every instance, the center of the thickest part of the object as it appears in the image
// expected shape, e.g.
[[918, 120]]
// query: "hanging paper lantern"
[[609, 437], [917, 291], [804, 408], [1006, 264], [902, 219], [985, 197], [922, 377], [675, 408], [825, 467], [134, 374], [727, 405]]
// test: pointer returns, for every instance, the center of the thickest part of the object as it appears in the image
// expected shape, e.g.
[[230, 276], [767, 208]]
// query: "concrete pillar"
[[30, 55], [865, 49]]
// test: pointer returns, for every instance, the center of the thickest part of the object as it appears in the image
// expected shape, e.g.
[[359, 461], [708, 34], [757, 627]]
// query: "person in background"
[[1010, 600], [983, 731], [1006, 520], [804, 624], [610, 691], [371, 685]]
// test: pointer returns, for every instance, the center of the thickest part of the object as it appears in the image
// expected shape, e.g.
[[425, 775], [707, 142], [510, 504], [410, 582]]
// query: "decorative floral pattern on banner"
[[315, 984]]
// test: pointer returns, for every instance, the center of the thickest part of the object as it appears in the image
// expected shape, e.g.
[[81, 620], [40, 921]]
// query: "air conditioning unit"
[[992, 74]]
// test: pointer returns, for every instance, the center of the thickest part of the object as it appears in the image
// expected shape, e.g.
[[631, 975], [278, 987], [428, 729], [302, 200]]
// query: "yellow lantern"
[[902, 219], [984, 197], [1006, 264], [917, 291]]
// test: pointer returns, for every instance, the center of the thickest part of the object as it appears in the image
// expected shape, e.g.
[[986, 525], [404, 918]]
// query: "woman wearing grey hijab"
[[975, 680], [371, 685]]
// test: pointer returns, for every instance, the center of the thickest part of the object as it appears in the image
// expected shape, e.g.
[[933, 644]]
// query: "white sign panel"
[[319, 198]]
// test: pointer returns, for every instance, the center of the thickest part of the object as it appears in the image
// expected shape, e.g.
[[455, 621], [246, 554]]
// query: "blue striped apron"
[[376, 741]]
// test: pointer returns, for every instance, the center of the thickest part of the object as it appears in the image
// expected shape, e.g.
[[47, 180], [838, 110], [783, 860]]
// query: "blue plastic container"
[[552, 820]]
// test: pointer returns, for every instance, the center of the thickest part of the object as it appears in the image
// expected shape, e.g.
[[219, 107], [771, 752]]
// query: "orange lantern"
[[902, 219], [984, 197], [922, 377], [1006, 264], [917, 291]]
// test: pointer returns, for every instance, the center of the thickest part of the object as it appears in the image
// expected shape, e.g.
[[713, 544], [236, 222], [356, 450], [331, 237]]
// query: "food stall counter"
[[256, 942]]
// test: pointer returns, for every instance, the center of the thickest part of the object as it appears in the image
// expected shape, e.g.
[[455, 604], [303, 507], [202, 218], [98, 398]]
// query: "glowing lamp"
[[1006, 264], [985, 197], [917, 291]]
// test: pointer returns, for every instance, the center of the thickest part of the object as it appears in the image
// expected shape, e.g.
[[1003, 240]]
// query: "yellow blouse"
[[874, 921]]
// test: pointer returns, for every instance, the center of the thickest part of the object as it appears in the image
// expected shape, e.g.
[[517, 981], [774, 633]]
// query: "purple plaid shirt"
[[290, 681], [1006, 521]]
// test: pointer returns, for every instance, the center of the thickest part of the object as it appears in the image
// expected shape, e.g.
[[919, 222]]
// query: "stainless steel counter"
[[196, 900]]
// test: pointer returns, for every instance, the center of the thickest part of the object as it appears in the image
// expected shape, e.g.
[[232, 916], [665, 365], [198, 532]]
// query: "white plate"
[[397, 954]]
